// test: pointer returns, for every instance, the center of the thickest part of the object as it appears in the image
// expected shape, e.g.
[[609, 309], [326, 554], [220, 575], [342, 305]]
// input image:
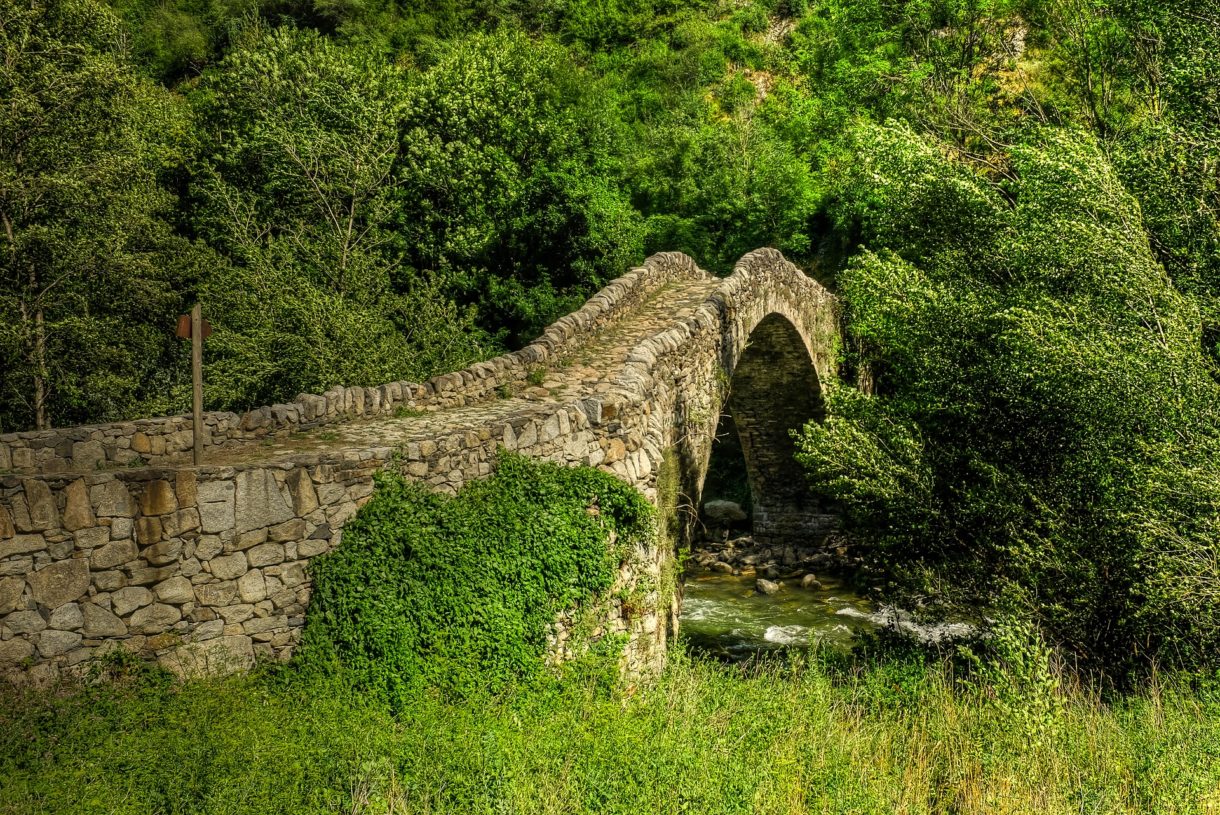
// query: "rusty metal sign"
[[184, 327]]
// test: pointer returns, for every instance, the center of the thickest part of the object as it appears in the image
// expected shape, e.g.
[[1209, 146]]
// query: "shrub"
[[458, 592]]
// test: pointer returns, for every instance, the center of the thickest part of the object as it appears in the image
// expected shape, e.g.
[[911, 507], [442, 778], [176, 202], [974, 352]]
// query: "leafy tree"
[[92, 273], [509, 173], [298, 189], [1041, 402]]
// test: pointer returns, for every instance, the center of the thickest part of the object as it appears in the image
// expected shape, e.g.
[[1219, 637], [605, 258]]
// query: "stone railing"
[[168, 440]]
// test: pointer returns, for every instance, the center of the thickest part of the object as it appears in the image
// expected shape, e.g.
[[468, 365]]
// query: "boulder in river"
[[764, 586], [811, 582], [724, 512], [722, 567], [770, 571]]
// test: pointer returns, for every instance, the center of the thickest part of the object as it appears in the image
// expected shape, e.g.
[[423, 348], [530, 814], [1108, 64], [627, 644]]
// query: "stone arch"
[[775, 389]]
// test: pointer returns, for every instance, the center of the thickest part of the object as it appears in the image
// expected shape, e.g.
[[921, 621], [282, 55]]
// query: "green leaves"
[[459, 592], [1039, 386], [90, 269]]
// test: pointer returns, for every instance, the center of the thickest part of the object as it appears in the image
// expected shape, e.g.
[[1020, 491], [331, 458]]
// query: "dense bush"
[[457, 593], [1045, 424]]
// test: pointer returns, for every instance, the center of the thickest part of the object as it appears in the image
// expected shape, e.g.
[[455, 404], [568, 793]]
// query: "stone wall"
[[169, 440], [205, 568]]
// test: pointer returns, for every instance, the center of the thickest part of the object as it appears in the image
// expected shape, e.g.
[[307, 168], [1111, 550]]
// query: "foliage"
[[508, 168], [458, 593], [91, 269], [893, 737], [1039, 385], [296, 185]]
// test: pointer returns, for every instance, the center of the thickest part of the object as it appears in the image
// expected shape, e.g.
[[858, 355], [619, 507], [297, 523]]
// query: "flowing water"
[[724, 617]]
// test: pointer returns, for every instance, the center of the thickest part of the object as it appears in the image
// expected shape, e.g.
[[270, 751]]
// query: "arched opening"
[[760, 578], [775, 390]]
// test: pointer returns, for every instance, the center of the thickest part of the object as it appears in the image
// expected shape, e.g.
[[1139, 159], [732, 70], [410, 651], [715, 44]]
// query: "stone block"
[[22, 544], [186, 488], [20, 566], [141, 443], [125, 601], [122, 528], [267, 554], [288, 531], [67, 617], [216, 594], [216, 516], [260, 625], [98, 622], [214, 657], [208, 630], [252, 587], [112, 499], [260, 500], [234, 615], [312, 548], [60, 549], [163, 553], [208, 547], [53, 643], [7, 530], [177, 523], [78, 511], [109, 581], [253, 538], [40, 504], [115, 553], [229, 566], [59, 583], [154, 619], [176, 590], [158, 498], [25, 622], [88, 455], [148, 530], [146, 576], [11, 590], [300, 488], [92, 538], [15, 650], [293, 575]]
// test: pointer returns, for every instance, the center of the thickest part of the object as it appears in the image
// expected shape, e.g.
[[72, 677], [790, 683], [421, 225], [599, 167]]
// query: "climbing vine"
[[457, 593]]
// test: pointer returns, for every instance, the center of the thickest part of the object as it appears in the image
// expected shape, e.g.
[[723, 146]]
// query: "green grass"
[[894, 737]]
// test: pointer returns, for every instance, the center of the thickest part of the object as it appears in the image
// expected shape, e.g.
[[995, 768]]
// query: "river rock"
[[721, 567], [764, 586], [724, 512], [811, 582]]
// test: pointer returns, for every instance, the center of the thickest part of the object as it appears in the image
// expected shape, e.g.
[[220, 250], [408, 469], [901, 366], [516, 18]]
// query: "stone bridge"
[[110, 538]]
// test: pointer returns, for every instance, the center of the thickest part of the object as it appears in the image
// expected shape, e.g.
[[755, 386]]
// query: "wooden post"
[[197, 381]]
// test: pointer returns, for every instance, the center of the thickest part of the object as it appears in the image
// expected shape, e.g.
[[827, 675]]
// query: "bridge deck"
[[589, 369]]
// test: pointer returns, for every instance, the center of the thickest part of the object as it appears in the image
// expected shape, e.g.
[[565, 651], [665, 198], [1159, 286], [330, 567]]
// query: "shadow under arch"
[[775, 389]]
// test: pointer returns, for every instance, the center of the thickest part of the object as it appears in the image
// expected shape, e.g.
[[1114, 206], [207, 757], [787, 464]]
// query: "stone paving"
[[590, 368]]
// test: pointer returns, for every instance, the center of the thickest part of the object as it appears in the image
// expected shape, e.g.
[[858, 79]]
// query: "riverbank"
[[879, 737]]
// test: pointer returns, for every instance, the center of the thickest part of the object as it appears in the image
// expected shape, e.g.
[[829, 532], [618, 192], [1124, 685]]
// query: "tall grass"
[[894, 737]]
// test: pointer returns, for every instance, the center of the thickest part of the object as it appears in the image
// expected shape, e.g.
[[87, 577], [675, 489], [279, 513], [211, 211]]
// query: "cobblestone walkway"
[[588, 369]]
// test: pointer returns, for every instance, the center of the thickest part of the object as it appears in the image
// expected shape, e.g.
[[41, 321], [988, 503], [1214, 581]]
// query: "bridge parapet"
[[168, 440]]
